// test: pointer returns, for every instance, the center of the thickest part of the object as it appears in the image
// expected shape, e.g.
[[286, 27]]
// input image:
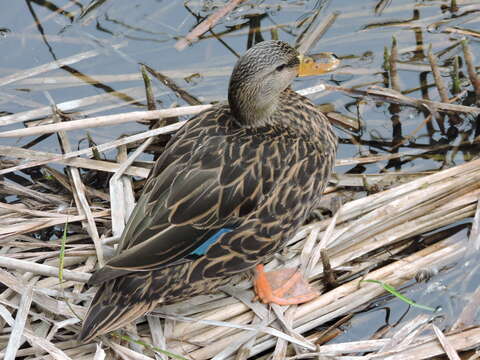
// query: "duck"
[[231, 187]]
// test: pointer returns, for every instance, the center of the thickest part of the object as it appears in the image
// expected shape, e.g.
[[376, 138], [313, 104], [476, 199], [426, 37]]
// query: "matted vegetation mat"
[[380, 240]]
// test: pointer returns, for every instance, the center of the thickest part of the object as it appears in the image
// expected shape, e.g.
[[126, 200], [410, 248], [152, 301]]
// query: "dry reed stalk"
[[348, 296], [38, 342], [54, 65], [11, 188], [158, 338], [472, 73], [427, 347], [41, 269], [127, 188], [121, 193], [66, 81], [420, 67], [106, 120], [42, 300], [406, 334], [475, 232], [126, 353], [446, 344], [21, 153], [68, 106], [19, 326], [466, 32], [440, 86], [30, 225], [394, 78], [206, 25], [312, 37], [460, 340], [174, 87], [80, 198], [63, 180], [21, 209], [442, 90], [394, 97]]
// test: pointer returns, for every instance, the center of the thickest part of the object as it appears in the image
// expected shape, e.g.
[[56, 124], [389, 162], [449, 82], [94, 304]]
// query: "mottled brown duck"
[[232, 186]]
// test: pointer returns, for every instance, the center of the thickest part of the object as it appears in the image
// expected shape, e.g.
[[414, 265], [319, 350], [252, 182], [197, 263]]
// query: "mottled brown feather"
[[260, 180]]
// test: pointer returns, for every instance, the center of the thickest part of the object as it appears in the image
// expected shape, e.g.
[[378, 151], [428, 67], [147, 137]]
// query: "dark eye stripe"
[[281, 67], [294, 61]]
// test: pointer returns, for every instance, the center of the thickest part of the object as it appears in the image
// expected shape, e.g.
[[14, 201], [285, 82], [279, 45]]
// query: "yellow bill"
[[318, 64]]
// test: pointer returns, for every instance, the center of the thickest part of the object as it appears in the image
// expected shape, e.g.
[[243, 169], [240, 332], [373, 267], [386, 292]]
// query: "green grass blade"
[[61, 262], [149, 346], [397, 294], [61, 259]]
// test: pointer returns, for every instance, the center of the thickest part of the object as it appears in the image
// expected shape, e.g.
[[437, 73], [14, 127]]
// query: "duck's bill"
[[316, 65]]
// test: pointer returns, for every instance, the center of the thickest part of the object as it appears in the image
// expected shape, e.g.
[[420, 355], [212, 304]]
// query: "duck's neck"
[[251, 108]]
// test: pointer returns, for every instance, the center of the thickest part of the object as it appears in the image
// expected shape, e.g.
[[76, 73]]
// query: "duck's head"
[[258, 79]]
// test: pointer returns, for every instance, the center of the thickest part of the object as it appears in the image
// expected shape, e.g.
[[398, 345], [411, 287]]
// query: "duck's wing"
[[205, 181]]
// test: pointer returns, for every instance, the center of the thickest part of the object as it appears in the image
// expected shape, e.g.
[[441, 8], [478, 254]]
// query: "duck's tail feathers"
[[104, 316]]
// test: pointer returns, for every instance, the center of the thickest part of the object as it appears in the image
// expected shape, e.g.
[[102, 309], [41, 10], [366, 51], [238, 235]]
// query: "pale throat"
[[253, 108]]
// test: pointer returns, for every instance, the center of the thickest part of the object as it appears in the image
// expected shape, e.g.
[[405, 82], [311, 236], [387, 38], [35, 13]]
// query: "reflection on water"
[[48, 31], [114, 37]]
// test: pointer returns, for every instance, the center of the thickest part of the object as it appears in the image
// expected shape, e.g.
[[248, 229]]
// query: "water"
[[149, 30]]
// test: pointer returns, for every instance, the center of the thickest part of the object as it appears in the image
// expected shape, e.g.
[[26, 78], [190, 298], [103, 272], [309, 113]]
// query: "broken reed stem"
[[118, 203], [453, 6], [442, 90], [329, 276], [312, 38], [446, 345], [386, 67], [148, 88], [456, 85], [19, 326], [206, 25], [394, 78], [472, 74]]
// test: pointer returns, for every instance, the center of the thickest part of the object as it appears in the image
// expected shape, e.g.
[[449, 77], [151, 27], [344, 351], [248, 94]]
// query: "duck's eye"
[[281, 67]]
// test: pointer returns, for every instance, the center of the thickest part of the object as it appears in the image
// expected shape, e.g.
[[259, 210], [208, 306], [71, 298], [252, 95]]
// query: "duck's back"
[[257, 183]]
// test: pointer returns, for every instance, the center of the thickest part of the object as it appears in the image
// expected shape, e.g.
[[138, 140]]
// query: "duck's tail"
[[107, 313]]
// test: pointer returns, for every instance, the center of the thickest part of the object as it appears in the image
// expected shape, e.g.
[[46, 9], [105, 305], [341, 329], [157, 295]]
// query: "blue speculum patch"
[[202, 249]]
